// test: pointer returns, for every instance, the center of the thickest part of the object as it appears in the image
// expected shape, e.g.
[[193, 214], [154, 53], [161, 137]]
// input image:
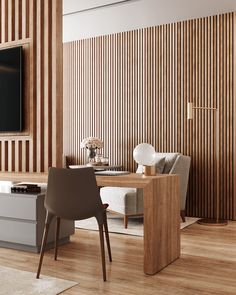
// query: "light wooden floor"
[[207, 264]]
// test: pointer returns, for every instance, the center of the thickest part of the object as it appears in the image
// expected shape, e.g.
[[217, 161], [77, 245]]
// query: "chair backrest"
[[169, 160], [176, 163], [73, 194], [182, 167]]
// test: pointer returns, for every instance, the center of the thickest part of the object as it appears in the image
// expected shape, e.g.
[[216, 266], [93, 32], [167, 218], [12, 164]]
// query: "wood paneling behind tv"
[[37, 26]]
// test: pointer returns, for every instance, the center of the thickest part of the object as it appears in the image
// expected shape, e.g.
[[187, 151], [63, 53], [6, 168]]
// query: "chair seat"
[[121, 200]]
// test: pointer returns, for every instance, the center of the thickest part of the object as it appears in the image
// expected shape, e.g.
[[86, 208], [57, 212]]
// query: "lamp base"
[[149, 170], [212, 221]]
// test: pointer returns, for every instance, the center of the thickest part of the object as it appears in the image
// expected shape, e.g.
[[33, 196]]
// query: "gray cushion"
[[160, 165], [170, 159]]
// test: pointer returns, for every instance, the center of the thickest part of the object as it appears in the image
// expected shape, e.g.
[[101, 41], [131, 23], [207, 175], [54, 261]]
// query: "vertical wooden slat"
[[23, 155], [27, 18], [45, 77], [20, 155], [23, 13], [17, 156], [4, 21], [232, 148], [10, 159], [39, 82], [11, 18], [17, 19], [57, 84], [2, 156]]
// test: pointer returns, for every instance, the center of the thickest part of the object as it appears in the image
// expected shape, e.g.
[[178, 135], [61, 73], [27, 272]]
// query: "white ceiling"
[[69, 6], [165, 7], [132, 15]]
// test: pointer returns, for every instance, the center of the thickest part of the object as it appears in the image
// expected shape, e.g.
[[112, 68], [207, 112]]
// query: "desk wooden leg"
[[161, 223]]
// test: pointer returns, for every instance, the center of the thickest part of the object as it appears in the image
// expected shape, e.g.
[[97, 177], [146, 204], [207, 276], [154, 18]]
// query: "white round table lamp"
[[145, 154]]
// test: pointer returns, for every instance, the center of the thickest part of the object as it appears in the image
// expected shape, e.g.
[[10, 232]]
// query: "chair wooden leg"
[[102, 251], [44, 241], [57, 237], [107, 236], [182, 214], [126, 221]]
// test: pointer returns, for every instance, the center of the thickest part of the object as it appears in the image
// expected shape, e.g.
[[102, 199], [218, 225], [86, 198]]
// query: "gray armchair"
[[129, 201]]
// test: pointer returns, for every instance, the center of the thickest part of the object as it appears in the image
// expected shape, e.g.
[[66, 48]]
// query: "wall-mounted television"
[[11, 89]]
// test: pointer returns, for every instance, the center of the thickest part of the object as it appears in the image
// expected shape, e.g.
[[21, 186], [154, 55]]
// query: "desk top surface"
[[128, 180]]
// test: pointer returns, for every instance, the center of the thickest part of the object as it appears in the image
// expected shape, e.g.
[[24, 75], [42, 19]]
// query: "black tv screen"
[[11, 89]]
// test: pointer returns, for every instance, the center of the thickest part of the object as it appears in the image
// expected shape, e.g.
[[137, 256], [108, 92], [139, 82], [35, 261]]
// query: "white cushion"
[[121, 200]]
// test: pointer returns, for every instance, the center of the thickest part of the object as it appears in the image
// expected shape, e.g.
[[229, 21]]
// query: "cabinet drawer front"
[[18, 232], [18, 207]]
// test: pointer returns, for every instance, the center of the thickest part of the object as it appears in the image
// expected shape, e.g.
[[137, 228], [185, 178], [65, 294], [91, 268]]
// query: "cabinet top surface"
[[22, 195]]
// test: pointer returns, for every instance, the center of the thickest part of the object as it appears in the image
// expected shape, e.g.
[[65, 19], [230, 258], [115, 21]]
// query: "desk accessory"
[[26, 188], [145, 154], [91, 144], [218, 200], [111, 173]]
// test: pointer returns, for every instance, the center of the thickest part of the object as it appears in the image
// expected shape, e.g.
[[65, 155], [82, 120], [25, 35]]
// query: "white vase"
[[91, 154]]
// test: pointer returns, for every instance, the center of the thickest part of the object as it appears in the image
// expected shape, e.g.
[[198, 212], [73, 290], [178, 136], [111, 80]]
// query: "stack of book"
[[26, 188]]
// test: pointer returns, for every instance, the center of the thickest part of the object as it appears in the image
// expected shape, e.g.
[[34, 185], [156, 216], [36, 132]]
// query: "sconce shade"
[[144, 154], [190, 111]]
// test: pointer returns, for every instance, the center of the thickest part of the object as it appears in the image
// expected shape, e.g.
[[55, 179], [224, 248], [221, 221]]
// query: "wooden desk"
[[161, 212], [161, 216]]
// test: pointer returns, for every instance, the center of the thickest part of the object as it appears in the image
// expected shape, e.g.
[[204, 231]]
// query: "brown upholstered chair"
[[73, 194]]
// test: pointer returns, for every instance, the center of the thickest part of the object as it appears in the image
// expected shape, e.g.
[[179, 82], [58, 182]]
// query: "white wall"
[[133, 15]]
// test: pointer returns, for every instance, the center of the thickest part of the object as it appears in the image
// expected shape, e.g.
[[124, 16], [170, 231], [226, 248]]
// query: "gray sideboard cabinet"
[[22, 218]]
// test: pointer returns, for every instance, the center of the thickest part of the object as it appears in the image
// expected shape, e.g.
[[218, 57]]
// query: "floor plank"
[[207, 264]]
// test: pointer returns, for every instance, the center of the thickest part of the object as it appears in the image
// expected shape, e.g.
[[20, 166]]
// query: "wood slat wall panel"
[[37, 26], [133, 87]]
